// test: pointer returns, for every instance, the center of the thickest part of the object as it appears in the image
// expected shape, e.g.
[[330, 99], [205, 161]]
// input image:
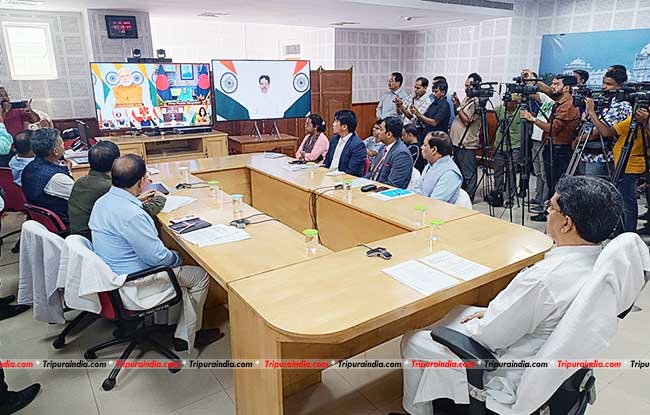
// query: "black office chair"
[[572, 397]]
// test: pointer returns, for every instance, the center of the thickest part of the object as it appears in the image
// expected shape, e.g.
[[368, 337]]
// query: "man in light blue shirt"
[[387, 106], [24, 156], [441, 178], [126, 238]]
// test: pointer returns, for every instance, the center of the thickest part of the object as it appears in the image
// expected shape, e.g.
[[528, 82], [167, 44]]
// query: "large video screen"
[[148, 95], [257, 90]]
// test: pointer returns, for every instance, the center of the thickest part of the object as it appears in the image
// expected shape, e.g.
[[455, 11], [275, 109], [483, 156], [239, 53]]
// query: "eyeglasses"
[[548, 207], [376, 127]]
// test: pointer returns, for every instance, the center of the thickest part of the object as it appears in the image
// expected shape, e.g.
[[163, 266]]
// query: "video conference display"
[[148, 95], [258, 89]]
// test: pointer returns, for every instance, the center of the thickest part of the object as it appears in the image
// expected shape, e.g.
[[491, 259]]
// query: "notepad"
[[392, 194], [174, 202], [455, 265], [215, 235], [421, 277]]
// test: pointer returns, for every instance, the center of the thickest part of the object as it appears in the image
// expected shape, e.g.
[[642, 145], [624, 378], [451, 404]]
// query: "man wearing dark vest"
[[46, 183]]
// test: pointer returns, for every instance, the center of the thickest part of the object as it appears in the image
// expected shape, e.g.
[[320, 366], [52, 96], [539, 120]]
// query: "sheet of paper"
[[455, 265], [420, 277], [273, 155], [392, 194], [174, 202], [360, 182], [335, 173], [152, 171], [295, 167], [215, 235]]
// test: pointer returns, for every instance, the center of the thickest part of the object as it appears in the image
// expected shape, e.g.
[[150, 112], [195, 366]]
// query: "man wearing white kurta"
[[582, 213]]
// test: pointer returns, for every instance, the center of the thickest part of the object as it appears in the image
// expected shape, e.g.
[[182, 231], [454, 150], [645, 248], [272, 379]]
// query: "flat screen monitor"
[[84, 133], [151, 95], [261, 89]]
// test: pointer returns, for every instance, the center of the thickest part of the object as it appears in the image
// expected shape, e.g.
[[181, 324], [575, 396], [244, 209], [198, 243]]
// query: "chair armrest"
[[463, 346], [468, 349], [139, 275], [155, 270]]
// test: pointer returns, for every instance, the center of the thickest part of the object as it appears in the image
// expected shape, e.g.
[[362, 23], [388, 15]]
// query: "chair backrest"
[[46, 217], [463, 200], [366, 168], [14, 197]]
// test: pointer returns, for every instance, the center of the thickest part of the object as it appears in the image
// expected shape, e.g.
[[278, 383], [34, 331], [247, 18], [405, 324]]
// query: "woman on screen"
[[315, 144], [202, 117]]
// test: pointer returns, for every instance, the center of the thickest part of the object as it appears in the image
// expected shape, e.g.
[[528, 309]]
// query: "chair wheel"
[[174, 369], [108, 384], [58, 343], [90, 355]]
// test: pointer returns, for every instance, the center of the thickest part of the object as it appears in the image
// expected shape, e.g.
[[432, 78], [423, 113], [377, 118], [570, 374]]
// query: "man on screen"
[[266, 104], [265, 83], [127, 94]]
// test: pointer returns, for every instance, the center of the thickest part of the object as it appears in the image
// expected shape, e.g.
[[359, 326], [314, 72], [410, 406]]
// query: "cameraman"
[[464, 133], [635, 168], [593, 161], [559, 132]]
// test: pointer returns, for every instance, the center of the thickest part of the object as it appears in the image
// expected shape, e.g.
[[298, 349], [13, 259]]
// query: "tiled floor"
[[194, 392]]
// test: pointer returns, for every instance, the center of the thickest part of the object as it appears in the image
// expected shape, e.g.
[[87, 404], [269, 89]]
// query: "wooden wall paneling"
[[367, 115]]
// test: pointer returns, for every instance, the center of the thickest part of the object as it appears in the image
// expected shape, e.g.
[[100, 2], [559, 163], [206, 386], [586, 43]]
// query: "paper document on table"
[[455, 265], [295, 167], [335, 173], [420, 277], [152, 171], [215, 235], [392, 194], [360, 182], [174, 202], [273, 155]]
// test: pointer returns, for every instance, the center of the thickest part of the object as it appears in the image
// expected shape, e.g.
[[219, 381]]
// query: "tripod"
[[484, 143], [626, 152], [583, 138], [507, 163]]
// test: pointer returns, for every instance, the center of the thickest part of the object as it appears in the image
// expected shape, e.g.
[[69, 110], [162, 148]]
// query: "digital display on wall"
[[121, 27]]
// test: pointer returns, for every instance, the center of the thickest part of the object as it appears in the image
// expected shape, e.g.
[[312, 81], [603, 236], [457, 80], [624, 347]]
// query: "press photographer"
[[628, 151], [595, 159], [465, 132], [16, 114], [559, 131]]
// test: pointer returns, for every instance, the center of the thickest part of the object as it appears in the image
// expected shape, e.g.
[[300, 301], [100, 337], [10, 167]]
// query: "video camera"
[[481, 90], [521, 87], [637, 94], [602, 99]]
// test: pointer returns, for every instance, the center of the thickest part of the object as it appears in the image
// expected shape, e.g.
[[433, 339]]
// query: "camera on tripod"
[[637, 94], [483, 90], [521, 86], [602, 99]]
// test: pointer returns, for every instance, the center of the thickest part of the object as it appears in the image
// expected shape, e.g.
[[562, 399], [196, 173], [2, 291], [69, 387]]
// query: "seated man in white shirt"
[[45, 182], [583, 212]]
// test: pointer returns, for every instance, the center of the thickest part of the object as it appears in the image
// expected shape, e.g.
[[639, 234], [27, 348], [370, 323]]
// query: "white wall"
[[240, 41], [69, 96]]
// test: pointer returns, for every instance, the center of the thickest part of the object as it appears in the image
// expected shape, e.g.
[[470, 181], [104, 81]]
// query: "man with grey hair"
[[47, 183], [583, 212]]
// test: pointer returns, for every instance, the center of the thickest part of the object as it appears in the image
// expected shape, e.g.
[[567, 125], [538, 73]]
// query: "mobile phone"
[[18, 104], [380, 189], [158, 186]]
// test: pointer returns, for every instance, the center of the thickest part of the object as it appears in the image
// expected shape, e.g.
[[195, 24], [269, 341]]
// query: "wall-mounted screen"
[[122, 27], [259, 89], [148, 95]]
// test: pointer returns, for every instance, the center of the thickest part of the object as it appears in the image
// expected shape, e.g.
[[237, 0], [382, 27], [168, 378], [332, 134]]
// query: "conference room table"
[[284, 303]]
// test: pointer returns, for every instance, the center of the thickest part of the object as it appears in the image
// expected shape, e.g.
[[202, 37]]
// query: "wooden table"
[[336, 304], [353, 306], [243, 144]]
